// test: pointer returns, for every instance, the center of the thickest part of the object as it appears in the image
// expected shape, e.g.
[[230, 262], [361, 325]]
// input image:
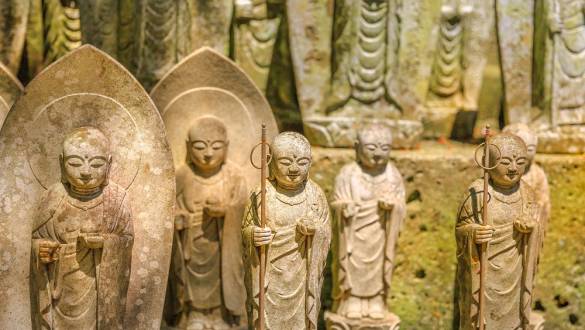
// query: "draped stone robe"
[[511, 259], [366, 243], [207, 270], [292, 281], [85, 288]]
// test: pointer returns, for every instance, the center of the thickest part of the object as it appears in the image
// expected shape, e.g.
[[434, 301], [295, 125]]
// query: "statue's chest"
[[196, 193], [71, 220], [501, 213], [569, 8], [282, 214], [364, 189]]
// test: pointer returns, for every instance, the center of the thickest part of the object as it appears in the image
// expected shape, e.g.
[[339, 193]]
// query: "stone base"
[[536, 321], [337, 322], [341, 131], [563, 140]]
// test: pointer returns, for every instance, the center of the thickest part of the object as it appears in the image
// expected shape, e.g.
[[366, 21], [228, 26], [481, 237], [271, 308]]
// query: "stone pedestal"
[[338, 322]]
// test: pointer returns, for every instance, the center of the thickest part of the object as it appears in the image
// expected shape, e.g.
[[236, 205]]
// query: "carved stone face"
[[527, 135], [373, 147], [208, 144], [86, 159], [513, 160], [291, 160]]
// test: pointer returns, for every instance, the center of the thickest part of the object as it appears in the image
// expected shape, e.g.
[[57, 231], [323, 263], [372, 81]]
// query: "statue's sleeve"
[[232, 280], [341, 196], [116, 255], [250, 257], [394, 222], [468, 258], [318, 258]]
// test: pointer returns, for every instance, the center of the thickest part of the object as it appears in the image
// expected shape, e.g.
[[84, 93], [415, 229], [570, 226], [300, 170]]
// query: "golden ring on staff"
[[269, 154], [479, 147], [265, 159]]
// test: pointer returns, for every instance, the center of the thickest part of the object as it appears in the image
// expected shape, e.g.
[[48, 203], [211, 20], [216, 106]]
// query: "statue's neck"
[[373, 171], [290, 191], [85, 194], [505, 190], [206, 174]]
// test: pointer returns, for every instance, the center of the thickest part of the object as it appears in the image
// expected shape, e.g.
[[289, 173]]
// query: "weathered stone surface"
[[87, 88], [10, 89], [436, 177]]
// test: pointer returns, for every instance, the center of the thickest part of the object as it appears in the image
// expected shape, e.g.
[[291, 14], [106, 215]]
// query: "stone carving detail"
[[369, 207], [459, 63], [513, 238], [10, 89], [92, 175], [202, 114], [256, 27], [13, 20], [297, 235], [54, 30], [366, 40], [82, 241]]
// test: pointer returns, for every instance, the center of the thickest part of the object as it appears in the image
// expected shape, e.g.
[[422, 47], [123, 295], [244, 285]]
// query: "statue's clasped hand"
[[48, 251], [386, 204], [92, 240], [524, 224], [262, 236], [350, 210], [214, 209], [306, 227], [482, 233]]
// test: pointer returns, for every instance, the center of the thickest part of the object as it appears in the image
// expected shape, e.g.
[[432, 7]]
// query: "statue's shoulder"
[[314, 190], [475, 188], [528, 191], [49, 203], [348, 170], [233, 170], [115, 192]]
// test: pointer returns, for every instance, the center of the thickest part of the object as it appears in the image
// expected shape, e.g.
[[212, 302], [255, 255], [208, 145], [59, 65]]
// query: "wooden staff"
[[263, 165], [485, 221]]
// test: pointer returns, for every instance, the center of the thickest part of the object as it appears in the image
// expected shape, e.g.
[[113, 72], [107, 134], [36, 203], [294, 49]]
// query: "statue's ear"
[[107, 179], [62, 166]]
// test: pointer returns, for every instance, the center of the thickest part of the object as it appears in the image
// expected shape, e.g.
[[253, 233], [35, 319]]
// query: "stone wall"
[[436, 177]]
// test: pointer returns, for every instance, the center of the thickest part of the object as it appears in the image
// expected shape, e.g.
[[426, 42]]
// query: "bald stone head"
[[86, 159], [291, 160], [527, 135], [373, 146], [512, 158], [208, 144]]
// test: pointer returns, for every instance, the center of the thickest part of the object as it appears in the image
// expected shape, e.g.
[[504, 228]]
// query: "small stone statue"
[[207, 273], [534, 174], [297, 238], [369, 207], [82, 241], [512, 238]]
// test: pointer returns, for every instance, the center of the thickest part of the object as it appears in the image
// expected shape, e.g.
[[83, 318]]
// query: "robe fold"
[[292, 282], [85, 288]]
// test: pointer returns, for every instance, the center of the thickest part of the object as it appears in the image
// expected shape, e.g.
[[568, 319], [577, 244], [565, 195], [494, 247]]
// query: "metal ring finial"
[[252, 155], [480, 163]]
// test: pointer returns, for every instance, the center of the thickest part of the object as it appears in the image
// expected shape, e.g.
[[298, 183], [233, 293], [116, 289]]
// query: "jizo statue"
[[369, 208], [296, 238], [207, 270], [511, 231], [82, 241]]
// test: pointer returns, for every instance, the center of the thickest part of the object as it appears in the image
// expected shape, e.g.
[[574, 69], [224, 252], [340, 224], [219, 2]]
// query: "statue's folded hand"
[[214, 210], [306, 227], [262, 236], [482, 233], [525, 224], [386, 204], [92, 241], [349, 210], [48, 250]]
